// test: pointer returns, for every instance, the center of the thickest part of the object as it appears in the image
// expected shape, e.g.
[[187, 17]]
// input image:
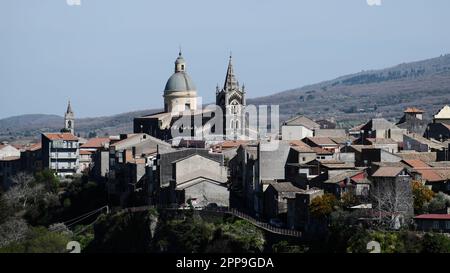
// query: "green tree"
[[49, 179], [285, 247], [239, 236], [39, 240], [440, 202], [123, 232], [5, 210], [435, 243]]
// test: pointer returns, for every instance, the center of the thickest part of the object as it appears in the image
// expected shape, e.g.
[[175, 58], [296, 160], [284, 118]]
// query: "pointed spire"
[[230, 79], [69, 108]]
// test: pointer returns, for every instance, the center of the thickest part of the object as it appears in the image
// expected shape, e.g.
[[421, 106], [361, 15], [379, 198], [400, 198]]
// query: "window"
[[234, 109], [187, 106], [435, 224], [182, 67]]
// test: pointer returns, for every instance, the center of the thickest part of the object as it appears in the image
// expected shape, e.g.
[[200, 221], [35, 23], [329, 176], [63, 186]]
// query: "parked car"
[[276, 222]]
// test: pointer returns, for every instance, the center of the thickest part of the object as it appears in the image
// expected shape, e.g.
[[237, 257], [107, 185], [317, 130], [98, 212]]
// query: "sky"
[[115, 56]]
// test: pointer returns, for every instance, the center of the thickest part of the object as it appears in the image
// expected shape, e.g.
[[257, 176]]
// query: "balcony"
[[63, 155]]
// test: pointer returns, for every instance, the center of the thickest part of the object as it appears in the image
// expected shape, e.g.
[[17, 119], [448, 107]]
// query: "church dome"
[[179, 81]]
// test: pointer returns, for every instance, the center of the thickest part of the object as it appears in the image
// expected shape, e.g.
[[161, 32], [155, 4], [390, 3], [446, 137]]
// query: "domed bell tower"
[[180, 93]]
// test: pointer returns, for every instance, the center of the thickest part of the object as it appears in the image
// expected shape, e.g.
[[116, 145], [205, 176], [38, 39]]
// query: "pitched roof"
[[196, 155], [430, 175], [342, 176], [413, 110], [301, 146], [440, 164], [285, 187], [336, 164], [381, 141], [61, 136], [10, 158], [434, 144], [433, 217], [416, 163], [322, 141], [229, 144], [303, 121], [35, 147], [321, 151], [357, 127], [135, 139], [342, 140], [378, 124], [423, 156], [97, 142], [360, 147], [387, 172], [444, 113]]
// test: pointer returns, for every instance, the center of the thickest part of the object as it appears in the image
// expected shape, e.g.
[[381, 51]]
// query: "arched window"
[[69, 124], [234, 107], [237, 124], [232, 124]]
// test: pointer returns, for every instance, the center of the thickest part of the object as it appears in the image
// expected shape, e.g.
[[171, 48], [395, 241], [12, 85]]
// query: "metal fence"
[[232, 211]]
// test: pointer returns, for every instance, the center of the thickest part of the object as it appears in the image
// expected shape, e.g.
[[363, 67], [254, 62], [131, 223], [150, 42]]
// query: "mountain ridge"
[[349, 99]]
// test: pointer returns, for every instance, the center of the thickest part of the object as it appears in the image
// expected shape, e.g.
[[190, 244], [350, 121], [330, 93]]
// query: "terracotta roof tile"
[[321, 151], [413, 110], [96, 142], [301, 146], [433, 216], [387, 172], [35, 147], [61, 136], [416, 163], [232, 144], [430, 175]]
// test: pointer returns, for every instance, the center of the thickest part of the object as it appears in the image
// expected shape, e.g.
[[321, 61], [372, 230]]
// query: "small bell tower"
[[69, 120]]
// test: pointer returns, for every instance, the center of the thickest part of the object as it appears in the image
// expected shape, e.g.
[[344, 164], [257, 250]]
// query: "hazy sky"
[[114, 56]]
